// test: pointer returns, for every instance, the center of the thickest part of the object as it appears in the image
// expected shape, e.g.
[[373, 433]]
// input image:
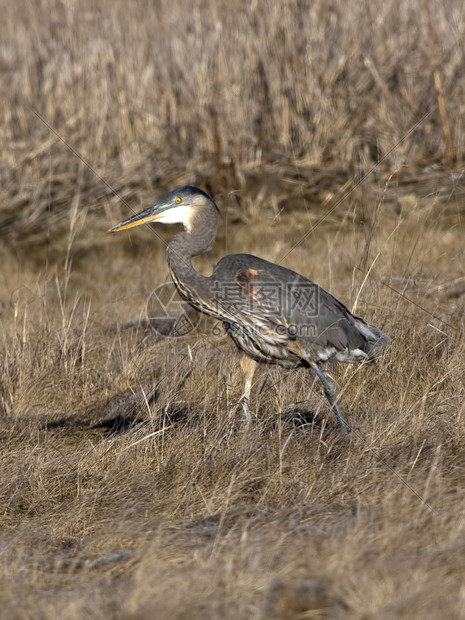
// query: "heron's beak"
[[149, 215]]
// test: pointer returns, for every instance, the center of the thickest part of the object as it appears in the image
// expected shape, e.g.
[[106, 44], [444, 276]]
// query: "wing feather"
[[284, 308]]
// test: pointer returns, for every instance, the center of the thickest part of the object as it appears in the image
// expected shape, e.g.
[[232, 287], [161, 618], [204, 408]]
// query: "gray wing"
[[283, 307]]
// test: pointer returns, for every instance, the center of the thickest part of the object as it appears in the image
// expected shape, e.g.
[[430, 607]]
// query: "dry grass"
[[127, 489]]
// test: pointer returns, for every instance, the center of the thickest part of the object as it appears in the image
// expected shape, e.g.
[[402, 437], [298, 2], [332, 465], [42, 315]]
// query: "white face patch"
[[176, 215]]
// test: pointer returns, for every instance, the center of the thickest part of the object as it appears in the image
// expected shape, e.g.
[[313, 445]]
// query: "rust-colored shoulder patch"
[[246, 277]]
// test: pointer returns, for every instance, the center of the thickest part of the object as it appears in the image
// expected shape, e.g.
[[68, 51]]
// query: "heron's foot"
[[345, 428], [246, 416], [240, 410]]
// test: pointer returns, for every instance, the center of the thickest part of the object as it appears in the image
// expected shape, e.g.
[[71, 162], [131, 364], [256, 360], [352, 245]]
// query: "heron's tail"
[[375, 337], [381, 339]]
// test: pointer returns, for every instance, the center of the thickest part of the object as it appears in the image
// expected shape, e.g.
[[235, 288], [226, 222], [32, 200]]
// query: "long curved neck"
[[197, 240]]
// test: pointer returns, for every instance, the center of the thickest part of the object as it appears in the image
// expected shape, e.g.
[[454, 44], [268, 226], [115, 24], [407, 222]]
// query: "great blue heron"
[[274, 315]]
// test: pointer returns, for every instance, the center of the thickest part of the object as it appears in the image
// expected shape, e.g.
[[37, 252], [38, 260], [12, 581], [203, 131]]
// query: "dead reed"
[[126, 488]]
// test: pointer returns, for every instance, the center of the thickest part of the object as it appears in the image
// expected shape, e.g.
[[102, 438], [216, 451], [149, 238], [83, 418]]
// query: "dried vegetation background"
[[127, 489]]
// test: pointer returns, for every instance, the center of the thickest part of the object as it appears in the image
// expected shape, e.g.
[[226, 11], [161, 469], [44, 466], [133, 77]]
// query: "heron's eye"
[[177, 200]]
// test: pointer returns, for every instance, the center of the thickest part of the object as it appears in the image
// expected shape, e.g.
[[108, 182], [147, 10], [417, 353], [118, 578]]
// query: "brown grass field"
[[332, 137]]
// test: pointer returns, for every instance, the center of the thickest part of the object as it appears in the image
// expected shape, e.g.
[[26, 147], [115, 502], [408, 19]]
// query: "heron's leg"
[[248, 368], [330, 392]]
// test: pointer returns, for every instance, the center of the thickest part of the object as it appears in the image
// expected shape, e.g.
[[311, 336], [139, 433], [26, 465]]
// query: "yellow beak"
[[148, 215]]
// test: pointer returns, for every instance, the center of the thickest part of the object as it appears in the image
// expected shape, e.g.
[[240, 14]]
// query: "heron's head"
[[181, 206]]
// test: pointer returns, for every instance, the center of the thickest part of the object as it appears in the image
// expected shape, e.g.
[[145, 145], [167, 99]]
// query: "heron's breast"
[[260, 348]]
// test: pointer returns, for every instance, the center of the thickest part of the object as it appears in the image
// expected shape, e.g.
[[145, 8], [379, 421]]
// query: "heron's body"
[[277, 316], [274, 315]]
